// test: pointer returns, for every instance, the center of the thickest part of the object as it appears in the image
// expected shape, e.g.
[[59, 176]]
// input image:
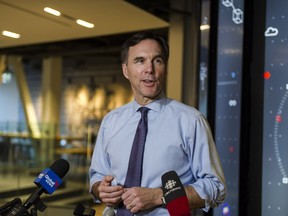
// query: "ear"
[[124, 71]]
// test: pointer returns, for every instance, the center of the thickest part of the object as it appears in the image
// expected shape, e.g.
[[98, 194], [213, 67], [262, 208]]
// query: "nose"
[[150, 67]]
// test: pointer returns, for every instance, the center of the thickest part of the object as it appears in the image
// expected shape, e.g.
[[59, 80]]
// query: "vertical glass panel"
[[228, 98], [275, 136]]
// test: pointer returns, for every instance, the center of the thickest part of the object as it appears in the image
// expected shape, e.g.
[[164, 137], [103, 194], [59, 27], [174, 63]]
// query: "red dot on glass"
[[267, 75], [278, 118]]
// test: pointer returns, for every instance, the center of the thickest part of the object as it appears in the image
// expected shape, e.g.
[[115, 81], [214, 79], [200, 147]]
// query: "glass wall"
[[228, 98], [86, 96]]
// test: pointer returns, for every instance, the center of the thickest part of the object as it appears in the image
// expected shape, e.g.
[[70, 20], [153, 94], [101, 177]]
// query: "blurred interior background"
[[60, 73]]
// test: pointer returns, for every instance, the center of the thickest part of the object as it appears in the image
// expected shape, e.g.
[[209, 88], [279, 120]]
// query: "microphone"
[[47, 182], [109, 212], [81, 210], [174, 195], [6, 208]]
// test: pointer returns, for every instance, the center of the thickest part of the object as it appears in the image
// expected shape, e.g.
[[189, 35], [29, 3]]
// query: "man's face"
[[146, 71]]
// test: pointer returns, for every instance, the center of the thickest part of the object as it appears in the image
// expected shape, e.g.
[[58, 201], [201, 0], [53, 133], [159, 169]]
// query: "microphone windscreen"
[[108, 212], [60, 167], [50, 178], [175, 195]]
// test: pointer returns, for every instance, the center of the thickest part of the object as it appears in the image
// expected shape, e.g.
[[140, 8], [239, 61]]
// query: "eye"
[[158, 61]]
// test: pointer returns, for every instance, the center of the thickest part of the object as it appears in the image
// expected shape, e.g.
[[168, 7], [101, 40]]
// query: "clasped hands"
[[135, 199]]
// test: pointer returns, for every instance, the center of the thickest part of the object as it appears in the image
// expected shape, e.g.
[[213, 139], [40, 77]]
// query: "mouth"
[[148, 82]]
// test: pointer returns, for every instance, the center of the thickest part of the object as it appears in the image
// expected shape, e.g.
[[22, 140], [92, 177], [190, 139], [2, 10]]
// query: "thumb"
[[108, 179]]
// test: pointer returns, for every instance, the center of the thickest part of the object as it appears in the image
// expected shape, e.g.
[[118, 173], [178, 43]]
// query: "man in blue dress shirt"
[[178, 138]]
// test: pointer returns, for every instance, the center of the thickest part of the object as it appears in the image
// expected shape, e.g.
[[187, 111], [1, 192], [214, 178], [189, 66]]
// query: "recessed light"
[[84, 23], [204, 27], [10, 34], [78, 21], [52, 11]]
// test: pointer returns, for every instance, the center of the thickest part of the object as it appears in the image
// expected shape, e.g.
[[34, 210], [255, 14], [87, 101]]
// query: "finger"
[[132, 207], [103, 183], [108, 179], [111, 200], [111, 194], [107, 188], [127, 197]]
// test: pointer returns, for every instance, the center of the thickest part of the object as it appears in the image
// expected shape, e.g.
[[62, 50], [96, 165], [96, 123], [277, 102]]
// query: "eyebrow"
[[155, 57], [159, 56], [138, 58]]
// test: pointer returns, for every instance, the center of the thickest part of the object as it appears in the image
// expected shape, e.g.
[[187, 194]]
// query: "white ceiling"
[[26, 17]]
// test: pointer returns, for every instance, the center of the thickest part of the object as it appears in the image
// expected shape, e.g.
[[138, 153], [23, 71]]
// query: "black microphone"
[[174, 195], [47, 182], [6, 208], [81, 210]]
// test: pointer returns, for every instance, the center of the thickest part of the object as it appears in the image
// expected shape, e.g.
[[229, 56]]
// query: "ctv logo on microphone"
[[48, 180]]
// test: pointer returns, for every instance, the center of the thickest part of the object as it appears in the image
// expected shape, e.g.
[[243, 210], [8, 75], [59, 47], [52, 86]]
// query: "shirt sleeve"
[[97, 169], [206, 166]]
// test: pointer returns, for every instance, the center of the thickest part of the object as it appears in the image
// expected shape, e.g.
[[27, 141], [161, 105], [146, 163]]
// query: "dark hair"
[[137, 38]]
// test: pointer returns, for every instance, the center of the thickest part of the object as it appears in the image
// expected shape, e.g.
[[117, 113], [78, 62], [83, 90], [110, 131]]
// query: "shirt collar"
[[156, 105]]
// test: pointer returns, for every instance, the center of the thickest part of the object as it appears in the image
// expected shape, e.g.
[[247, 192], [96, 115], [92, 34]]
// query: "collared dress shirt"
[[178, 138]]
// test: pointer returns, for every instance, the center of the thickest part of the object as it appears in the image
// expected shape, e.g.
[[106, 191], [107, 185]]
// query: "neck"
[[145, 100]]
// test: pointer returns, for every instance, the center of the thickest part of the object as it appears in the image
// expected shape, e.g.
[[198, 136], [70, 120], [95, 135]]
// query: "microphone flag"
[[48, 180]]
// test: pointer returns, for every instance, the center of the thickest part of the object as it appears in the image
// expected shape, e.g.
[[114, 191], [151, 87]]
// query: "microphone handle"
[[33, 198]]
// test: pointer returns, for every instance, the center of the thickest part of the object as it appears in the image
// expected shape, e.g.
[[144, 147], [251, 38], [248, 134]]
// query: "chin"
[[152, 96], [151, 93]]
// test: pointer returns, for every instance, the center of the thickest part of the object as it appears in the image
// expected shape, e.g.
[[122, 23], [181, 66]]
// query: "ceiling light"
[[84, 23], [52, 11], [10, 34], [204, 27], [78, 21]]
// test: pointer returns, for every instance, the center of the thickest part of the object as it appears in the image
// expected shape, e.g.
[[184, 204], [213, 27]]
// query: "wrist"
[[94, 190], [159, 198]]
